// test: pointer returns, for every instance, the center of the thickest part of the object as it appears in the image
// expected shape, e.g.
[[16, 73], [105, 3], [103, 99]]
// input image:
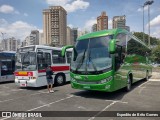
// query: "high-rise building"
[[69, 36], [102, 21], [119, 22], [75, 34], [10, 44], [41, 39], [94, 28], [55, 25], [34, 37]]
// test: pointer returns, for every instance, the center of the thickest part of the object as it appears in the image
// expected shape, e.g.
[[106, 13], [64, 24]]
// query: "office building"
[[94, 28], [10, 44], [55, 25], [69, 36], [102, 22], [34, 37], [75, 34], [119, 22]]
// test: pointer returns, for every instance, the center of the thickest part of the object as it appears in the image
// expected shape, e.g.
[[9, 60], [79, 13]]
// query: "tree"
[[155, 43], [156, 54], [153, 40]]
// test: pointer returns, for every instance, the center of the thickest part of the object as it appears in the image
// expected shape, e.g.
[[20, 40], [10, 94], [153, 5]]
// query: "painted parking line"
[[143, 84], [23, 97], [51, 103], [158, 80], [44, 105], [108, 106]]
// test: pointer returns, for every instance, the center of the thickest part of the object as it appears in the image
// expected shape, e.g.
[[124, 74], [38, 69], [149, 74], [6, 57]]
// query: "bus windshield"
[[91, 56], [26, 61]]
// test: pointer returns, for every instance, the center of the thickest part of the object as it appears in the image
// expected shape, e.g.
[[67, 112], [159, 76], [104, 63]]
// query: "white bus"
[[7, 66], [31, 64]]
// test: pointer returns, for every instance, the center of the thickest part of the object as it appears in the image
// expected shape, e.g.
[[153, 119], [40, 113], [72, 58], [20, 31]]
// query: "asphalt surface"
[[144, 96]]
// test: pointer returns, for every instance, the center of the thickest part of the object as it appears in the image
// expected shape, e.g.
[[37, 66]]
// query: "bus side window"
[[57, 58], [43, 59], [118, 57], [48, 58], [69, 56], [7, 68]]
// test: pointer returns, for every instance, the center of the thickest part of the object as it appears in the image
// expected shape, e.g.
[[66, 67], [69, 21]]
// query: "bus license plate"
[[23, 85], [86, 87]]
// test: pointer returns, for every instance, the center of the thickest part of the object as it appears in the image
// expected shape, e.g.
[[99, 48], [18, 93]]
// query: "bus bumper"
[[96, 87], [25, 83]]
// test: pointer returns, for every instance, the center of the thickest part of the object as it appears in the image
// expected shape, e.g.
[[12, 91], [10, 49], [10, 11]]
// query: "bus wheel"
[[147, 76], [129, 83], [59, 79]]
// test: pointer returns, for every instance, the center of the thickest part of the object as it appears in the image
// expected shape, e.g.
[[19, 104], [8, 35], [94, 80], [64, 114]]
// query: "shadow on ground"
[[116, 95]]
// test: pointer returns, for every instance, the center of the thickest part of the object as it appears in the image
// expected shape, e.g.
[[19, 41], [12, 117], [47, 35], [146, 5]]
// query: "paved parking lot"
[[144, 96]]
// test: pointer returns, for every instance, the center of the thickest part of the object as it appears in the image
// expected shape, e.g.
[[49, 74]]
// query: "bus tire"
[[147, 76], [59, 79], [129, 84]]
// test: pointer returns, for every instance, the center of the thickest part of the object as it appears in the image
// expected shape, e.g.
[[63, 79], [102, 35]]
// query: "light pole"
[[148, 3], [143, 22]]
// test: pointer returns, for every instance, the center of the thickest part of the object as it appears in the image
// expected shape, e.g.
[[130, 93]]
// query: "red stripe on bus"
[[56, 68]]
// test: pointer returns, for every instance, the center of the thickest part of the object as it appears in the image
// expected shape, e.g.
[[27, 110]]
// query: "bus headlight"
[[72, 79], [106, 80]]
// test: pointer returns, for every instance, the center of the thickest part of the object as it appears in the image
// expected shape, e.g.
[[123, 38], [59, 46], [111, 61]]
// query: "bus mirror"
[[112, 46], [65, 48]]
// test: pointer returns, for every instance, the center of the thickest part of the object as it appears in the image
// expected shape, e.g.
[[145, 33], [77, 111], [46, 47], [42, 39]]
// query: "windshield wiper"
[[82, 60], [90, 60]]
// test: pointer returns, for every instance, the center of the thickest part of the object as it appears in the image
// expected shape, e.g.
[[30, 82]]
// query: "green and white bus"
[[108, 60]]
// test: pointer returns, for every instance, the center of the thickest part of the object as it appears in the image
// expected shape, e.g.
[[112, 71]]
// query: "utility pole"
[[148, 3]]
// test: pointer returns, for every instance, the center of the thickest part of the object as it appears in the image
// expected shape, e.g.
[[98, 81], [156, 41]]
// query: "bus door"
[[43, 59], [120, 73], [7, 69]]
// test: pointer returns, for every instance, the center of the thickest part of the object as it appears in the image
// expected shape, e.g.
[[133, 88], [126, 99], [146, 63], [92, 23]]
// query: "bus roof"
[[44, 47], [7, 53], [102, 33], [109, 32]]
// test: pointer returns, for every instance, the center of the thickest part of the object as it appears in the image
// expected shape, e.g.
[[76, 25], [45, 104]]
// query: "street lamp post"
[[148, 3], [143, 22]]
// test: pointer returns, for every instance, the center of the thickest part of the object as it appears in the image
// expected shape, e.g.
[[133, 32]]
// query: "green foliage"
[[156, 54], [153, 40]]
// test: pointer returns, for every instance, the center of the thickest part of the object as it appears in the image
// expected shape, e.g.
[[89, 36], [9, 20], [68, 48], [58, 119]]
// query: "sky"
[[19, 17]]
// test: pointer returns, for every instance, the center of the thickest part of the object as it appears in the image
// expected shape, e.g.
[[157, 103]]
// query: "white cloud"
[[3, 23], [6, 9], [89, 23], [78, 4], [70, 6], [156, 34], [25, 14], [18, 29], [70, 25], [155, 22], [57, 2], [141, 9]]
